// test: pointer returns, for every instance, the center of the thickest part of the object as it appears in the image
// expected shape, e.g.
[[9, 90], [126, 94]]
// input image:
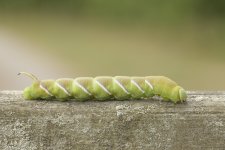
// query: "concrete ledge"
[[141, 124]]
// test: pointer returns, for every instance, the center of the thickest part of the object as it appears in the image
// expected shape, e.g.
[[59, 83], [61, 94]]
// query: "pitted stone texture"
[[140, 124]]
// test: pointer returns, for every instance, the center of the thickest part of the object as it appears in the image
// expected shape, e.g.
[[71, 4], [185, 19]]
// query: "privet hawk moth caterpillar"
[[104, 88]]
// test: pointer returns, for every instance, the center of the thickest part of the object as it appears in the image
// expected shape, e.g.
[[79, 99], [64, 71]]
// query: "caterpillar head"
[[178, 94], [182, 95]]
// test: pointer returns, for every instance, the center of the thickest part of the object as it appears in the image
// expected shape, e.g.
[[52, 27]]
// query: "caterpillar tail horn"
[[27, 90], [33, 77]]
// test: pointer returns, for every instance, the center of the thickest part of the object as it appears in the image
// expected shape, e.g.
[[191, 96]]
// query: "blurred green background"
[[181, 39]]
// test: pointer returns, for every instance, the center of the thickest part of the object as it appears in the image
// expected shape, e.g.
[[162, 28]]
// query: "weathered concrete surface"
[[142, 124]]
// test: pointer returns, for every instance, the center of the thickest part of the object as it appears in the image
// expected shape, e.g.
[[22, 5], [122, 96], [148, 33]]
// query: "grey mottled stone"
[[141, 124]]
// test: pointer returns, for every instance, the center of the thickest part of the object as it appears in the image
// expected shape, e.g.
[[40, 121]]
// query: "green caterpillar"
[[104, 88]]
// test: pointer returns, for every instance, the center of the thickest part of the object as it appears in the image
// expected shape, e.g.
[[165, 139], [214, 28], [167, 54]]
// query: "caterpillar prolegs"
[[104, 88]]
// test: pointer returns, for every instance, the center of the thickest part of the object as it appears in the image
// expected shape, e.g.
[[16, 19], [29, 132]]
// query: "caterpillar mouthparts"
[[104, 88]]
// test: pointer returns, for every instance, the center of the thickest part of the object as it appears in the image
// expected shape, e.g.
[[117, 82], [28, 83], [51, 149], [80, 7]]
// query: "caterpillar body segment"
[[105, 88]]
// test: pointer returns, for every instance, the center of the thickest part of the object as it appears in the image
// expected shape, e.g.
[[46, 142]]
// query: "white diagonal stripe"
[[105, 89], [132, 81], [149, 84], [62, 88], [120, 85], [83, 88], [44, 89]]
